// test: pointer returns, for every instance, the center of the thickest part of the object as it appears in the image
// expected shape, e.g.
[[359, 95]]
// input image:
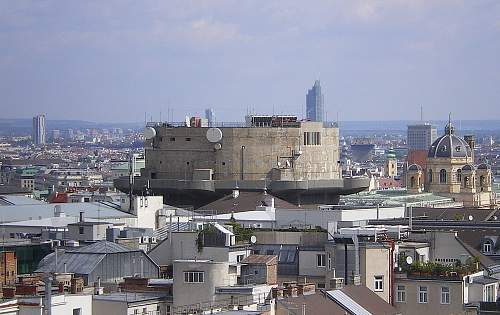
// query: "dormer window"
[[443, 148], [487, 247], [458, 148]]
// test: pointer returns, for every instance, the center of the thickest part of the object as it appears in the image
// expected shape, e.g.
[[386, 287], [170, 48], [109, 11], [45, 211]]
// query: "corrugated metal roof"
[[162, 233], [75, 263], [101, 247], [345, 301], [81, 260]]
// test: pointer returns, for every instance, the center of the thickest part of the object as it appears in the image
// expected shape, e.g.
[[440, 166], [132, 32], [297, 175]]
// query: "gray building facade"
[[421, 136], [38, 135], [314, 103]]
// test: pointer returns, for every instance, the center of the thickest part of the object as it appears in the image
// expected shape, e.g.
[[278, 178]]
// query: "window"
[[144, 310], [168, 309], [379, 283], [320, 260], [401, 294], [430, 176], [239, 258], [489, 293], [487, 247], [321, 286], [312, 138], [445, 295], [329, 261], [422, 294], [81, 230], [194, 276], [459, 176], [188, 139], [77, 311], [442, 176], [172, 138]]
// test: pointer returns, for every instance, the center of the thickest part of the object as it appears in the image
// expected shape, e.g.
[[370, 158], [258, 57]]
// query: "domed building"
[[450, 171]]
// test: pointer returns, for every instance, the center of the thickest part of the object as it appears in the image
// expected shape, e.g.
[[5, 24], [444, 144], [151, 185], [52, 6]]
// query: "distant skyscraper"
[[38, 136], [314, 103], [421, 136], [210, 116]]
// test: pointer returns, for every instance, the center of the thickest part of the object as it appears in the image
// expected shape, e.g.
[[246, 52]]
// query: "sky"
[[115, 60]]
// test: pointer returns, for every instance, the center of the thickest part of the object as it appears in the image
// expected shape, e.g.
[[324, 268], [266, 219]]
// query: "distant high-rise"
[[38, 135], [314, 103], [210, 116], [421, 136]]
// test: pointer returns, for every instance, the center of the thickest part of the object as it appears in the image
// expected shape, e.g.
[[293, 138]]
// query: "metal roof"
[[102, 247], [81, 260], [345, 301], [75, 263]]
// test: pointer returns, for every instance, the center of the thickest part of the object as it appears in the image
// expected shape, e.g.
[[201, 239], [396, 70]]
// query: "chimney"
[[81, 216]]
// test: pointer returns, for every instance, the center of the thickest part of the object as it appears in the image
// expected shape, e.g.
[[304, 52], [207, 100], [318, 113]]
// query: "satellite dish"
[[214, 135], [253, 239], [149, 133], [409, 260], [217, 146], [471, 218]]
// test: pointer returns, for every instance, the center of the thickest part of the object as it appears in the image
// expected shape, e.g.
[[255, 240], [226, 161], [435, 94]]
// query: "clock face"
[[214, 135]]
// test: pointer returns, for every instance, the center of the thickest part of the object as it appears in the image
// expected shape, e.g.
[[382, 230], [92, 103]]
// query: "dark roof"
[[369, 300], [468, 167], [483, 166], [483, 260], [318, 304], [260, 259], [455, 214], [322, 303], [449, 146], [246, 201]]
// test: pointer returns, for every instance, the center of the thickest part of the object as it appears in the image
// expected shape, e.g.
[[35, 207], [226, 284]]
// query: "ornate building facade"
[[450, 171]]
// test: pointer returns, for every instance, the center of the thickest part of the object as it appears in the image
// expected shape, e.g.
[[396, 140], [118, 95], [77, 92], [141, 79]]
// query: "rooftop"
[[131, 297]]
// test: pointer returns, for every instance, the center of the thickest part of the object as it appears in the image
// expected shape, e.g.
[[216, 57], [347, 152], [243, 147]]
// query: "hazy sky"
[[114, 60]]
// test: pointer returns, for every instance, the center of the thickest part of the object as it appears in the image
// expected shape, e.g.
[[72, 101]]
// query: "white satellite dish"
[[409, 260], [149, 133], [214, 135], [471, 218], [217, 146], [253, 239]]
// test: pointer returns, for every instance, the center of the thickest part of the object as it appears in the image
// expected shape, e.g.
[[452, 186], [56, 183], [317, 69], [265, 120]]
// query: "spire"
[[449, 129]]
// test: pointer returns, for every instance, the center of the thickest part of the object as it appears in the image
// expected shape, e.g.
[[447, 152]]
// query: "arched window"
[[442, 176], [466, 181], [412, 182], [459, 175], [481, 182], [430, 176]]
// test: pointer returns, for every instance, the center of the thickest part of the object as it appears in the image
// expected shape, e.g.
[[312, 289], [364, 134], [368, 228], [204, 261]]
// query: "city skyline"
[[379, 60]]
